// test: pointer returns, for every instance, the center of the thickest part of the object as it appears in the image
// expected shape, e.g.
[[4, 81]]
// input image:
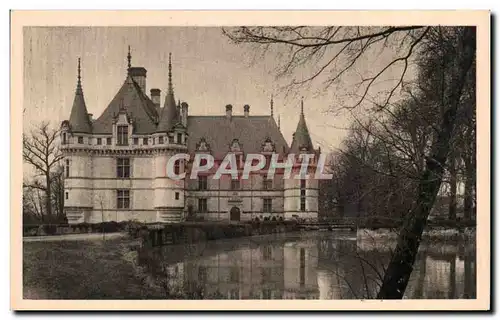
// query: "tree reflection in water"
[[311, 265]]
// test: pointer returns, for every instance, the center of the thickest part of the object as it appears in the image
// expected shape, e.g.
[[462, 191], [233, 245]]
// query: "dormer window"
[[80, 140], [179, 138], [99, 141], [64, 138], [160, 140], [122, 135], [145, 141]]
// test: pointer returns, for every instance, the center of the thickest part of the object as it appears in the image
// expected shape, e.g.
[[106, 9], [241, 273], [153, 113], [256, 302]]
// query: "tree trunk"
[[468, 191], [470, 176], [48, 196], [452, 208], [401, 264]]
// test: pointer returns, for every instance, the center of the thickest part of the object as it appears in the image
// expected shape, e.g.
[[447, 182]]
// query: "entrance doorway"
[[234, 214]]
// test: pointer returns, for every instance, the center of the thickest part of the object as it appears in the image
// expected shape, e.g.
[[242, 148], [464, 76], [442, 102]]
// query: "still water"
[[307, 265]]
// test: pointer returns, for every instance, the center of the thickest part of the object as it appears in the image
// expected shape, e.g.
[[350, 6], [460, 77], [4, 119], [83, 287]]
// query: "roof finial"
[[129, 58], [272, 105], [170, 86], [302, 106], [79, 82]]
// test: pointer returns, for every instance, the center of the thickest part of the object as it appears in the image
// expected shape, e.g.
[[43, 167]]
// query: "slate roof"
[[79, 120], [219, 133], [136, 103], [301, 137]]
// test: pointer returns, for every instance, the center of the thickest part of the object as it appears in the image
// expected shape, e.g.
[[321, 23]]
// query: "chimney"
[[184, 112], [246, 109], [155, 96], [139, 76], [229, 111]]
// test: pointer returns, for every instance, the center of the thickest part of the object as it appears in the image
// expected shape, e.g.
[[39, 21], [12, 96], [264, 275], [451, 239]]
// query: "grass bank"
[[83, 270]]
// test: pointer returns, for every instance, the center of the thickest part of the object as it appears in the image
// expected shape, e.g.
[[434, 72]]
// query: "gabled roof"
[[301, 137], [79, 120], [137, 105], [219, 133]]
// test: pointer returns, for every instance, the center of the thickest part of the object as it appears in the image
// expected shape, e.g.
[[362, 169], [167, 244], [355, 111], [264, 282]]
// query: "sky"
[[209, 72]]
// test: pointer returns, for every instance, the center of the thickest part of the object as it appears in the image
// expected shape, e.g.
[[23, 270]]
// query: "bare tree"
[[335, 50], [40, 150]]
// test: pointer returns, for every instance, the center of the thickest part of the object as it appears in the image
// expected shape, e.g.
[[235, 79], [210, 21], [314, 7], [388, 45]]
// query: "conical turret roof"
[[79, 118], [169, 115], [301, 137]]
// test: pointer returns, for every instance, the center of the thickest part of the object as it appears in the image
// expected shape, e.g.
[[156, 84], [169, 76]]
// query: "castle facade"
[[115, 165]]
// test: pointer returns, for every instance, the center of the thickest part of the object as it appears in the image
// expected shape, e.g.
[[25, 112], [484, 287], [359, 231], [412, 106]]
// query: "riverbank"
[[195, 232], [386, 239], [76, 237], [83, 269]]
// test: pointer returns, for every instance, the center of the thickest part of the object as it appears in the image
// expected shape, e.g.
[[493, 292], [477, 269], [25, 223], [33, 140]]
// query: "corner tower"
[[301, 190], [170, 138], [76, 134]]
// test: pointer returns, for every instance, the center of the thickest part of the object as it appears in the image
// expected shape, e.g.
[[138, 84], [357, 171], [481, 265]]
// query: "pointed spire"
[[169, 114], [129, 58], [170, 85], [301, 137], [272, 105], [79, 81], [79, 118]]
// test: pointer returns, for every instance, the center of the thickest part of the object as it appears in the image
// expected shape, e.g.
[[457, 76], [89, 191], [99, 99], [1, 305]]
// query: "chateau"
[[115, 165]]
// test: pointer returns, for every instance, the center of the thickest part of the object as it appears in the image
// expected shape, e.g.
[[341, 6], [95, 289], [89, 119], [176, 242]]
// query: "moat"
[[306, 265]]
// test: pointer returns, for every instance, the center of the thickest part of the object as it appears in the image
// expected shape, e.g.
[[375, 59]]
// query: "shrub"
[[49, 229]]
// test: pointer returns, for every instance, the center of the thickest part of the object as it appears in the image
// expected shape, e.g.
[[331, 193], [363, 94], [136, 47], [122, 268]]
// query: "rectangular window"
[[122, 136], [108, 141], [160, 140], [80, 140], [177, 196], [67, 195], [177, 166], [123, 199], [302, 195], [202, 183], [99, 141], [268, 205], [67, 168], [267, 184], [179, 138], [302, 184], [202, 205], [145, 141], [64, 138], [235, 184], [136, 141], [123, 168], [238, 161], [268, 161]]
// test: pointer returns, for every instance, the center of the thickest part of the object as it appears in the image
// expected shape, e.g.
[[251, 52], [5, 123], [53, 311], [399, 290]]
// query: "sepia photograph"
[[308, 158]]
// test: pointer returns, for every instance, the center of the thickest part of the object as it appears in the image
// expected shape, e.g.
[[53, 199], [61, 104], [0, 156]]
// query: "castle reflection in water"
[[312, 266]]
